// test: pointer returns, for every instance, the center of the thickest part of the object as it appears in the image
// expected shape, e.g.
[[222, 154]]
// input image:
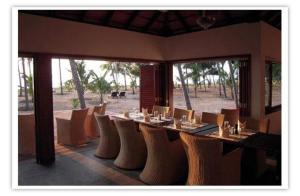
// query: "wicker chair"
[[26, 136], [261, 125], [212, 118], [178, 113], [71, 131], [207, 165], [166, 160], [91, 126], [133, 152], [231, 115], [109, 143], [102, 108], [161, 109]]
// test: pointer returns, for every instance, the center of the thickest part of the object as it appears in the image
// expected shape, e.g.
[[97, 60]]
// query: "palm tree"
[[77, 82], [222, 76], [60, 78], [114, 69], [133, 73], [29, 81], [232, 67], [20, 82], [25, 85], [124, 69], [99, 85], [84, 76], [186, 96], [194, 74]]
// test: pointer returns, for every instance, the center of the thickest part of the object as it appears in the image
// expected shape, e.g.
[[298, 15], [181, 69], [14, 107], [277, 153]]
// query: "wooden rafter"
[[182, 20], [107, 17], [131, 18], [151, 21], [83, 15], [165, 30], [276, 14]]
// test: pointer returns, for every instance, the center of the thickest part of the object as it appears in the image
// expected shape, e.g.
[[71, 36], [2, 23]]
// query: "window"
[[272, 87]]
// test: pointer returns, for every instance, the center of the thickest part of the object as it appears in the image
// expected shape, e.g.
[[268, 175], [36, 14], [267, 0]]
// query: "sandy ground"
[[208, 101]]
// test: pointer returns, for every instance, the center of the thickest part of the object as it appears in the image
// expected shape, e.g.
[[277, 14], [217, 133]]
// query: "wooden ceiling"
[[164, 23]]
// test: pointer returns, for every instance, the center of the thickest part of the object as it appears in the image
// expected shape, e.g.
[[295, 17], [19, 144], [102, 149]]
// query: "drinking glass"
[[183, 118], [155, 113]]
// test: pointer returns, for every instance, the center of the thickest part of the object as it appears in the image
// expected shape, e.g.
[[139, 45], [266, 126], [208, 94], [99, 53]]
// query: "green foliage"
[[29, 80], [99, 85], [75, 103], [276, 73], [134, 70], [133, 84], [84, 76], [69, 85]]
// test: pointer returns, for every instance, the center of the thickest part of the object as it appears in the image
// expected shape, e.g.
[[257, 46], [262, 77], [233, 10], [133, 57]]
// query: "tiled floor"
[[76, 166]]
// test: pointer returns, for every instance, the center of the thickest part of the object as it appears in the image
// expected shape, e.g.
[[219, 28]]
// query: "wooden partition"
[[156, 85], [43, 108]]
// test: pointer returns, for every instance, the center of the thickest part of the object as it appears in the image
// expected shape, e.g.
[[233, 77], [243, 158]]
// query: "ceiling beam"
[[151, 21], [227, 14], [182, 20], [166, 30], [107, 17], [82, 15], [131, 19], [275, 16]]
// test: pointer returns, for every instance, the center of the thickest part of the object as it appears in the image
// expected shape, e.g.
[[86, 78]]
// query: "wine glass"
[[183, 118]]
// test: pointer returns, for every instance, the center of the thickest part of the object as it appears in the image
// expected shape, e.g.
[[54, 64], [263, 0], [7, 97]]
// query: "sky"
[[90, 65]]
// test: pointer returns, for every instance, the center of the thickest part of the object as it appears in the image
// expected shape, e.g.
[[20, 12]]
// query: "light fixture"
[[205, 21]]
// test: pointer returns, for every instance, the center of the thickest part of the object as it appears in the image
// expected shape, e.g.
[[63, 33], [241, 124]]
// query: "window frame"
[[269, 108]]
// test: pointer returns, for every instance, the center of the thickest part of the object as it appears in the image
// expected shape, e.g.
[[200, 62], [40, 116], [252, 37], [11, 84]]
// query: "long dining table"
[[202, 129], [249, 140]]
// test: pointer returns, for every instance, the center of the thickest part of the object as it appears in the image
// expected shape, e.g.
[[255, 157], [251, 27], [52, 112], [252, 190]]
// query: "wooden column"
[[147, 87], [245, 87], [165, 84], [43, 108], [156, 85]]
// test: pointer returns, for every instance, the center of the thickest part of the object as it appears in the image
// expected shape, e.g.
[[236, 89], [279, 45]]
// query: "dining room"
[[160, 142]]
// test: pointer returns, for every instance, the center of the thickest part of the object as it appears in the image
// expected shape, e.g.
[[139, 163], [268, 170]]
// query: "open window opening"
[[210, 85], [272, 87]]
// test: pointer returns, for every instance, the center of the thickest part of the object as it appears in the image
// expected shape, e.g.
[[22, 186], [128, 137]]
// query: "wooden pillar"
[[43, 108], [245, 87], [156, 84], [147, 87]]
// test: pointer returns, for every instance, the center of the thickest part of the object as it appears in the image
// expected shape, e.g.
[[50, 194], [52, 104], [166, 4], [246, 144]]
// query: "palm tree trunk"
[[187, 81], [224, 80], [233, 83], [220, 89], [31, 80], [204, 81], [186, 96], [101, 98], [213, 77], [29, 65], [125, 81], [195, 89], [25, 85], [77, 83], [231, 88], [60, 78], [219, 78], [20, 82]]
